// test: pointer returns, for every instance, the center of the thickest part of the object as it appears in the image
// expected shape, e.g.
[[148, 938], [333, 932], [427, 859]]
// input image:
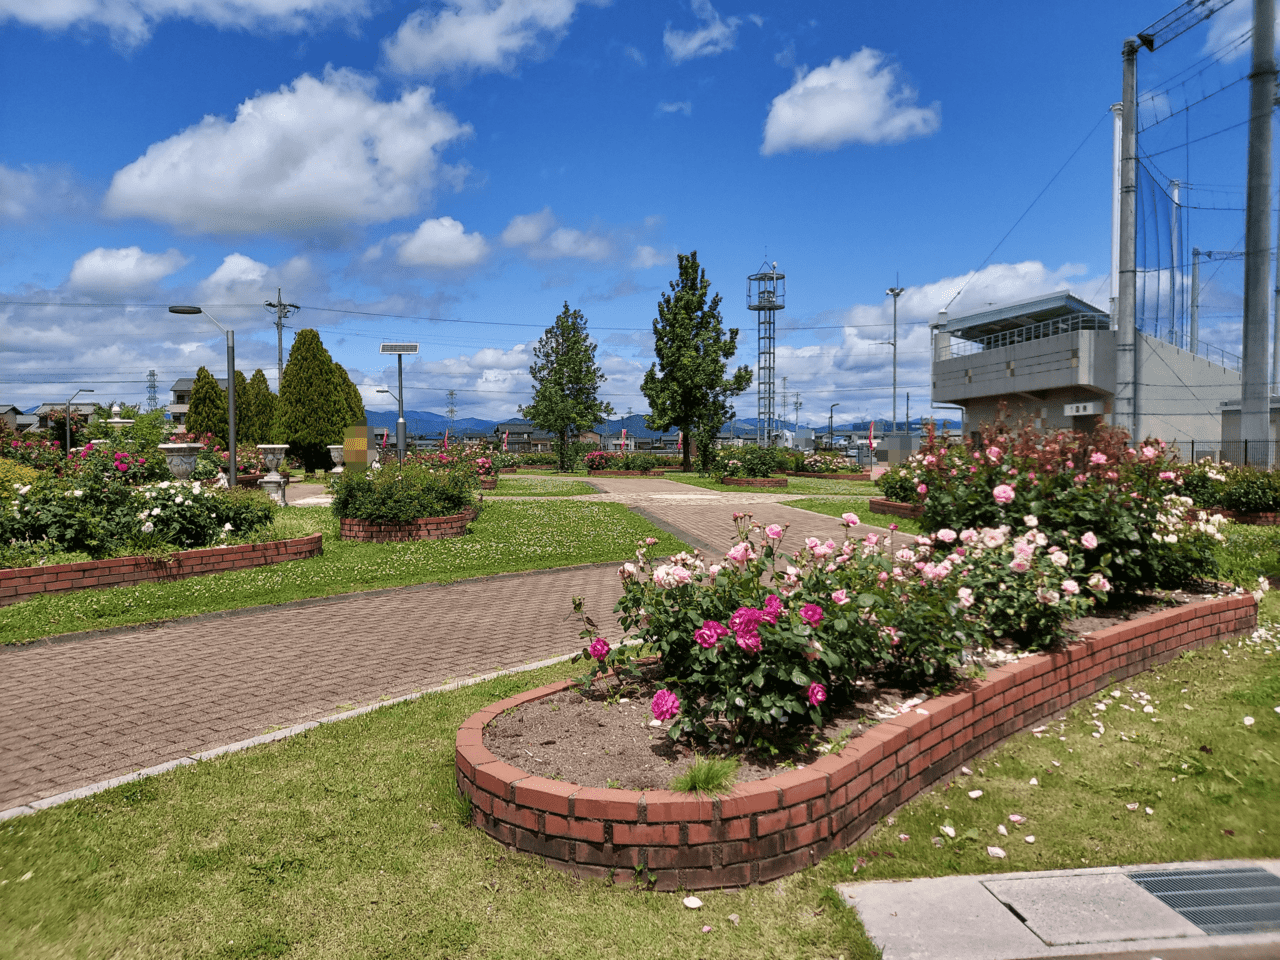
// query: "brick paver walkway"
[[90, 709]]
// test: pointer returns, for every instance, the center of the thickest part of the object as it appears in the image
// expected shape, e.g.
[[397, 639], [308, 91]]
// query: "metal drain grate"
[[1229, 900]]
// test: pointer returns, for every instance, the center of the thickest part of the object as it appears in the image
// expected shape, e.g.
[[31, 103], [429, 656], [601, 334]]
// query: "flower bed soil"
[[892, 508], [770, 482], [582, 782], [426, 528], [23, 582]]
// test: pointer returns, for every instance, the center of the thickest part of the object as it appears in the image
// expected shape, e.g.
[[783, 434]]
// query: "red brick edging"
[[1266, 519], [829, 476], [21, 583], [754, 481], [912, 511], [655, 472], [424, 528], [770, 828]]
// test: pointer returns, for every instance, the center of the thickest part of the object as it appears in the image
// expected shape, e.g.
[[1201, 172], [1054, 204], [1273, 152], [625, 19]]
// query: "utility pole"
[[1255, 405], [282, 310], [895, 292], [1124, 410], [784, 398]]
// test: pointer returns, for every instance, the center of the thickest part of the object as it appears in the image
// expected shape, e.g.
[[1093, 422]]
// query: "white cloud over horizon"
[[122, 270], [541, 238], [131, 22], [441, 242], [481, 35], [862, 99], [714, 35], [33, 192], [317, 156]]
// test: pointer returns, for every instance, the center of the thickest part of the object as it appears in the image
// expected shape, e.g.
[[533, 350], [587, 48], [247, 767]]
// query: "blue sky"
[[453, 173]]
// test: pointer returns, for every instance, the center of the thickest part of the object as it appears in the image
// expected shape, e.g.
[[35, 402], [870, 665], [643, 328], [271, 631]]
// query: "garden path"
[[101, 706]]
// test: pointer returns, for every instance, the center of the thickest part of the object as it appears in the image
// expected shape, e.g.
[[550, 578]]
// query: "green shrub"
[[752, 461], [1248, 490], [539, 459], [392, 495], [40, 553], [13, 473], [244, 508]]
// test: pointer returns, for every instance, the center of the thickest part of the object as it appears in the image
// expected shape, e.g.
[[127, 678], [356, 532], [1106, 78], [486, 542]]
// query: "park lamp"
[[231, 384], [831, 425], [400, 424], [73, 396]]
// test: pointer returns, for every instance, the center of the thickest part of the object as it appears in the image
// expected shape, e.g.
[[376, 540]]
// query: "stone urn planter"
[[336, 452], [181, 458], [273, 483]]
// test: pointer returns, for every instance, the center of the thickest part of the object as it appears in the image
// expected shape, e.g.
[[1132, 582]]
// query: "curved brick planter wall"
[[655, 472], [1253, 519], [23, 582], [770, 828], [754, 481], [893, 508], [829, 476], [488, 483], [427, 528]]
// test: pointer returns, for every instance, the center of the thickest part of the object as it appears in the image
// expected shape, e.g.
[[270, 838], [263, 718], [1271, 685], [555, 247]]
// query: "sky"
[[453, 173]]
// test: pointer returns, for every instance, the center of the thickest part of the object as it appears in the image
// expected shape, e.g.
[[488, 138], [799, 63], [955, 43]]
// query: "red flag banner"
[[504, 440]]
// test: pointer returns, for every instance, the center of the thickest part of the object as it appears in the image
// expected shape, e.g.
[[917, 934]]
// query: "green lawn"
[[348, 841], [804, 485], [507, 537], [838, 506], [539, 486]]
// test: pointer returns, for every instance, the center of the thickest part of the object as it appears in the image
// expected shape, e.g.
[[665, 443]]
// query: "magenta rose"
[[709, 634], [599, 648], [811, 614], [665, 705], [817, 694]]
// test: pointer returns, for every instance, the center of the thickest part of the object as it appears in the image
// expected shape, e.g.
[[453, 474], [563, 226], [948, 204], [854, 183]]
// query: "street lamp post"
[[231, 384], [73, 396], [400, 431], [895, 292], [831, 426]]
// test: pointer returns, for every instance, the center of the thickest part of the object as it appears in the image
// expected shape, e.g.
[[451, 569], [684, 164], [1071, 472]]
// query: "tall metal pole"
[[231, 405], [1124, 410], [1175, 278], [69, 399], [1117, 111], [895, 292], [1254, 402], [400, 425], [1195, 297]]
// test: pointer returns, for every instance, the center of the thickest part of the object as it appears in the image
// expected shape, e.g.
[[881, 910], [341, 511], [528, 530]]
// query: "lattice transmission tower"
[[766, 295]]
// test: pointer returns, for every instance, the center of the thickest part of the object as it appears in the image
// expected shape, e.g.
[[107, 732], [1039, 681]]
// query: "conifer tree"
[[254, 425], [566, 383], [208, 410], [687, 388], [312, 408], [355, 403]]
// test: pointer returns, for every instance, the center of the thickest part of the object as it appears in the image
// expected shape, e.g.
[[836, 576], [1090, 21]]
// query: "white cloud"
[[713, 36], [122, 270], [858, 100], [30, 193], [130, 22], [442, 242], [634, 55], [681, 106], [646, 257], [477, 35], [312, 157], [527, 228], [543, 240], [241, 279], [1229, 30]]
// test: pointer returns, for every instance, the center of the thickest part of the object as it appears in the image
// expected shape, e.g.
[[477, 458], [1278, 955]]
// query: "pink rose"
[[1168, 475], [994, 454], [811, 614], [817, 694], [665, 705], [709, 634], [850, 519], [840, 597], [1003, 493], [1089, 541], [1098, 459], [773, 531], [599, 648], [946, 535], [922, 489], [772, 608]]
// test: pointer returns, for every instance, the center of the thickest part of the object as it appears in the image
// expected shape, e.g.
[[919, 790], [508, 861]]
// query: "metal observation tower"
[[766, 295]]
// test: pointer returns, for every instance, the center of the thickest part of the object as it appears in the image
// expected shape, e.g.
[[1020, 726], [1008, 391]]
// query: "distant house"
[[181, 390], [10, 414], [85, 410]]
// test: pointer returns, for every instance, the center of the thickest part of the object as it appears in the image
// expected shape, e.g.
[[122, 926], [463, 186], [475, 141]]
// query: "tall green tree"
[[355, 402], [255, 410], [566, 383], [312, 408], [687, 387], [207, 412]]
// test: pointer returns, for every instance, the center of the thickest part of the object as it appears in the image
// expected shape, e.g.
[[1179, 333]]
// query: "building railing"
[[1264, 454], [1071, 323]]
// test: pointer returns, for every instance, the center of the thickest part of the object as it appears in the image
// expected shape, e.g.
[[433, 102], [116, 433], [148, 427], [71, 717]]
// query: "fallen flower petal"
[[1017, 818], [1030, 838], [995, 852], [1150, 811], [1248, 721], [1002, 831], [904, 837], [1034, 782], [693, 903], [936, 841], [949, 831], [974, 794], [706, 929], [733, 917], [969, 773], [1131, 806]]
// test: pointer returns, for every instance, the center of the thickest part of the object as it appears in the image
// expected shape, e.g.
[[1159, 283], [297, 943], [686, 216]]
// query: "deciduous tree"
[[566, 383], [686, 387]]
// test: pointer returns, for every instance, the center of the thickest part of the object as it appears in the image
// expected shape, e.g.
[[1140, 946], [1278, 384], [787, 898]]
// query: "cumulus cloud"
[[441, 242], [715, 35], [1229, 33], [680, 106], [31, 193], [312, 157], [130, 22], [542, 239], [241, 279], [859, 100], [483, 35], [121, 270], [646, 257]]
